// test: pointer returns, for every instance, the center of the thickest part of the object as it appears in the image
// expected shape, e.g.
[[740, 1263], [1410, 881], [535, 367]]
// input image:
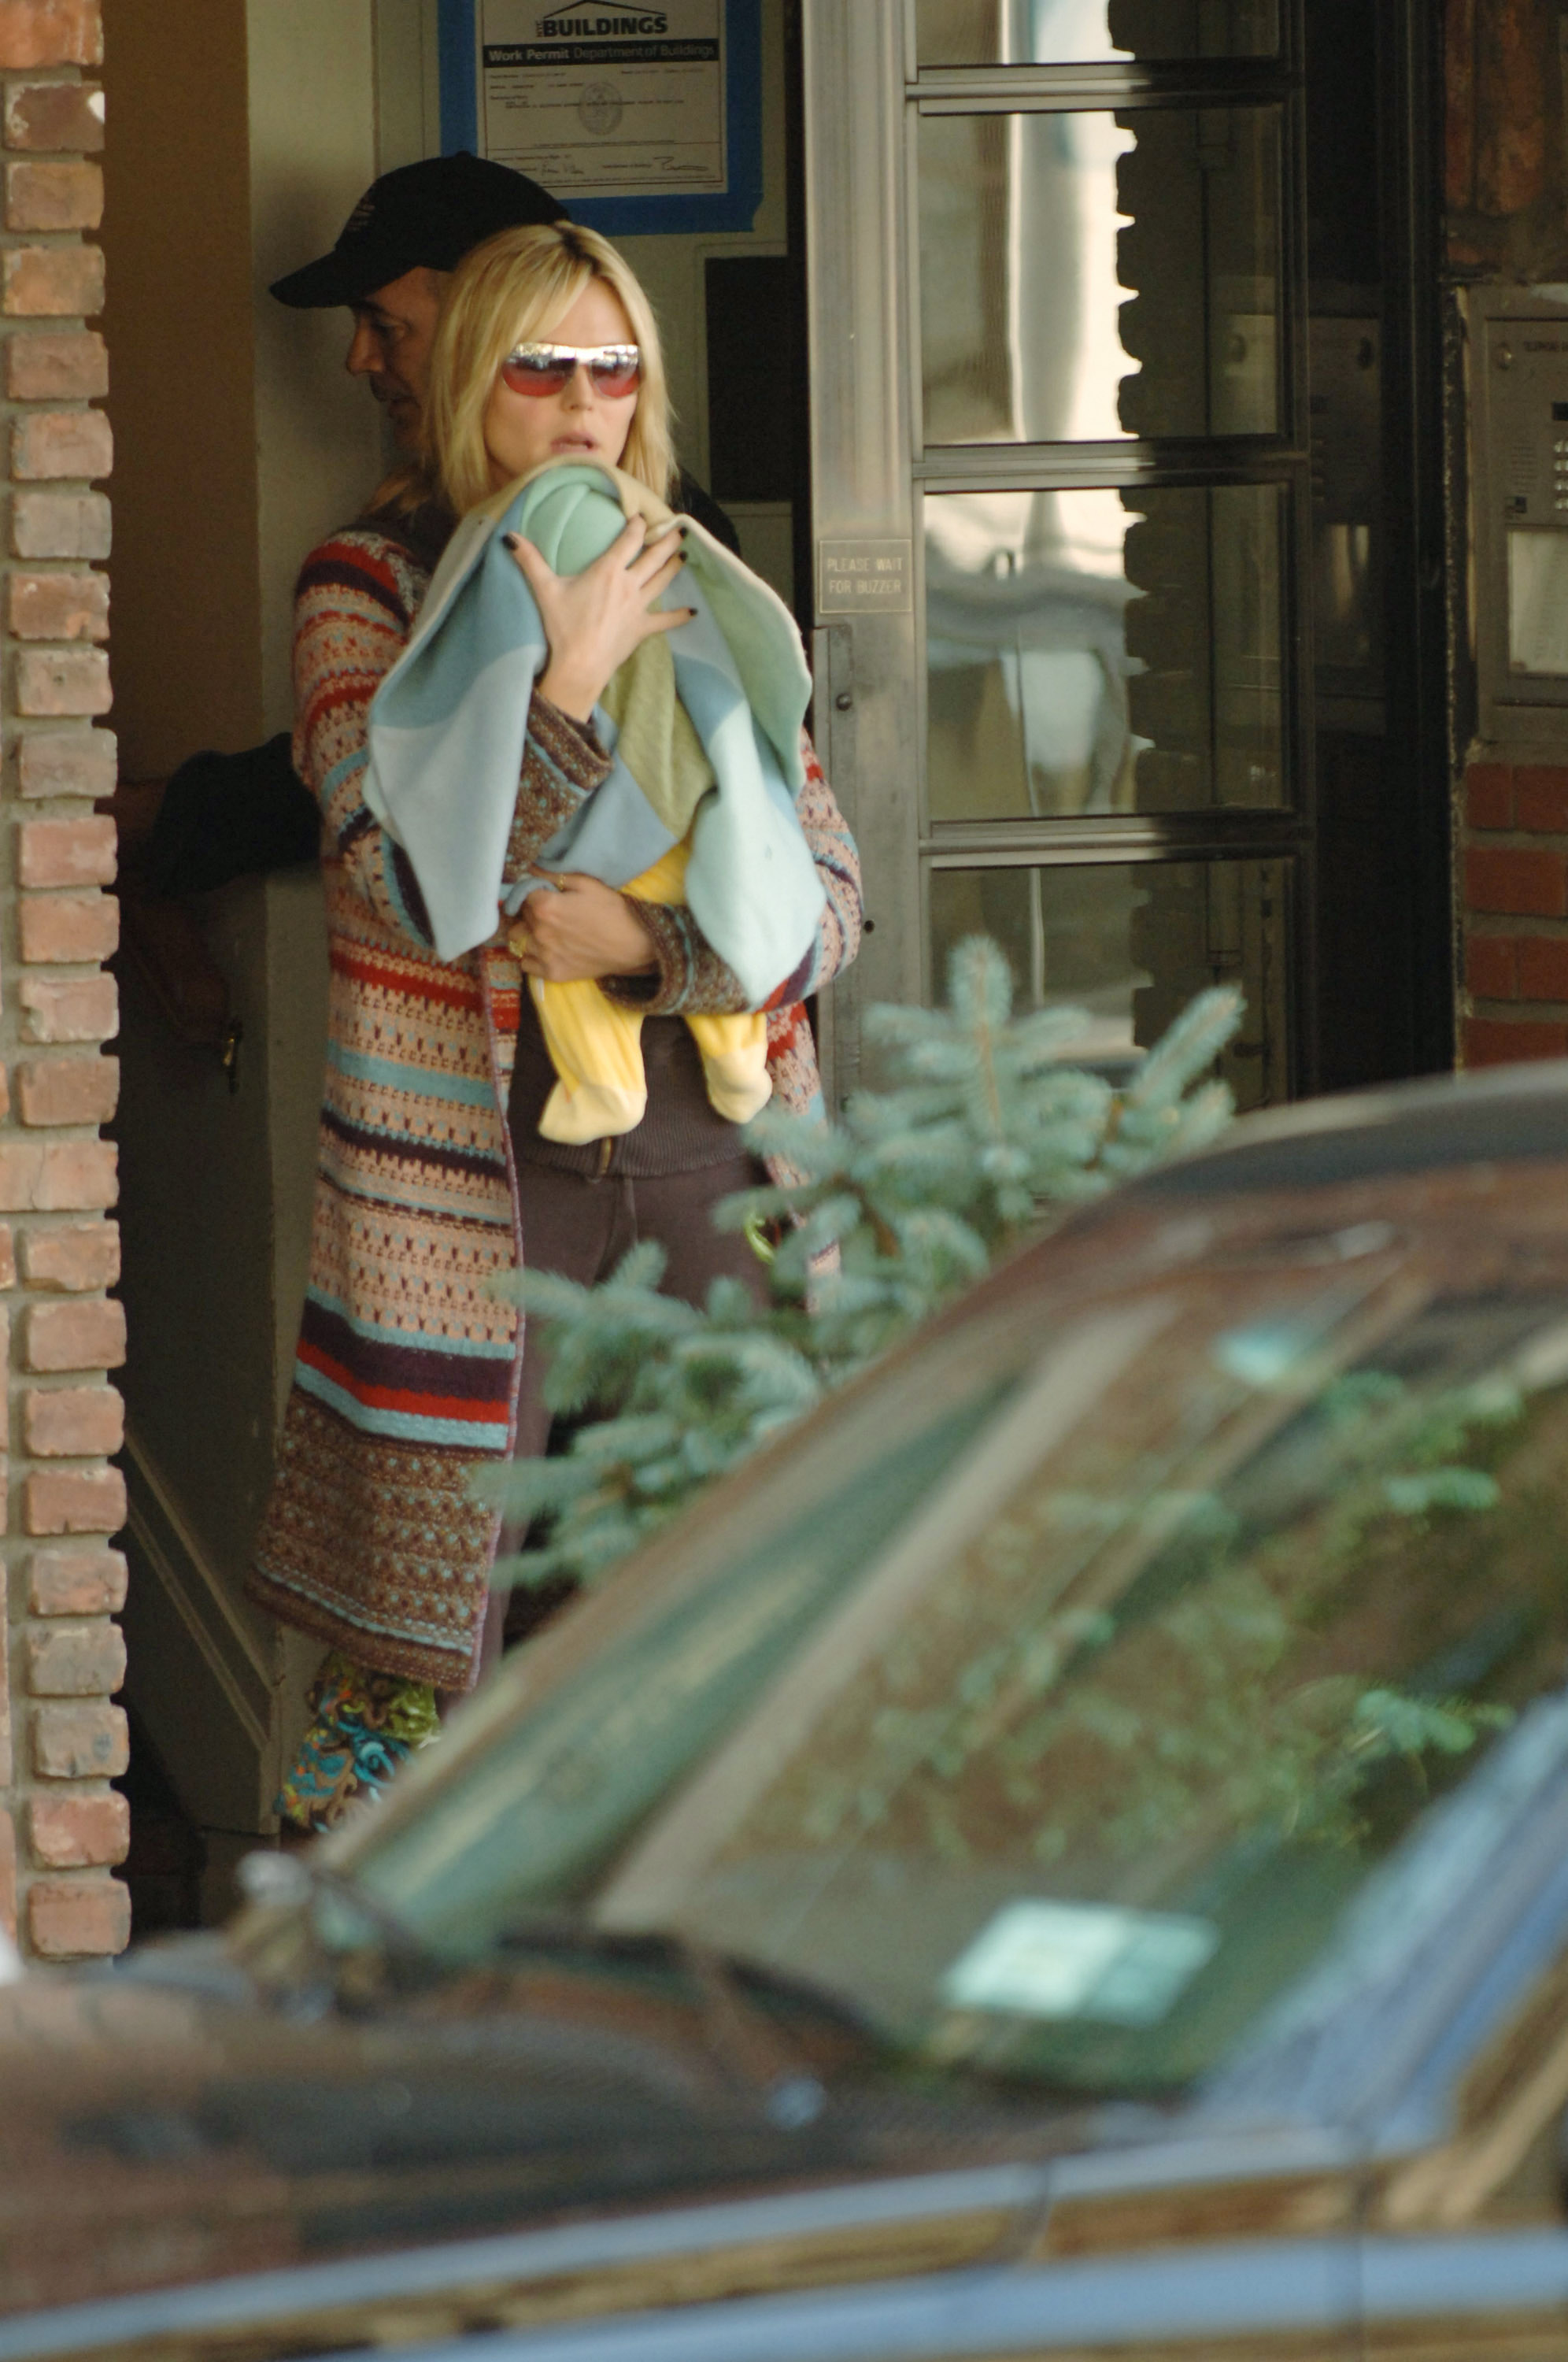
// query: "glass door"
[[1063, 491]]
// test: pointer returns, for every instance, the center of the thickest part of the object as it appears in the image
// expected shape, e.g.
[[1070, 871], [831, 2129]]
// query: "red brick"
[[1543, 968], [67, 763], [66, 1501], [61, 525], [75, 1257], [79, 1743], [1459, 111], [1514, 56], [52, 282], [1530, 882], [63, 680], [69, 927], [1489, 795], [61, 1176], [83, 1009], [1540, 797], [74, 1422], [78, 1832], [1498, 1041], [72, 1660], [85, 1336], [8, 1257], [78, 1919], [46, 444], [55, 115], [5, 1092], [51, 33], [1491, 966], [54, 197], [67, 852], [76, 1583], [60, 606], [68, 1090], [69, 1659], [65, 365], [8, 1876]]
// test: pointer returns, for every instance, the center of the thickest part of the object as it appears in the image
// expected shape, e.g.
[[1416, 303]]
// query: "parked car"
[[1067, 1851]]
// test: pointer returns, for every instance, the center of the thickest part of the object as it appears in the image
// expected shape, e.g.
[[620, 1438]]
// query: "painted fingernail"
[[511, 539]]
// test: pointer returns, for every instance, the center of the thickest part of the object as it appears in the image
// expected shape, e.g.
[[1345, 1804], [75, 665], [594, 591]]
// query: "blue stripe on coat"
[[419, 1082], [477, 1435]]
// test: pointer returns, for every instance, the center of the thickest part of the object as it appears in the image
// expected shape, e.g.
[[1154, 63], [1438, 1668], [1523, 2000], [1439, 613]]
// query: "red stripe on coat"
[[474, 1414]]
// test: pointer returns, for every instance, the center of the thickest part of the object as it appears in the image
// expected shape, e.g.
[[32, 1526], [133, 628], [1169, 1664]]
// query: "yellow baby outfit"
[[594, 1043]]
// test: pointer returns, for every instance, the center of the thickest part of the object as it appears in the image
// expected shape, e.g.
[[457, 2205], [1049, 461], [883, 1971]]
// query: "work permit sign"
[[600, 101]]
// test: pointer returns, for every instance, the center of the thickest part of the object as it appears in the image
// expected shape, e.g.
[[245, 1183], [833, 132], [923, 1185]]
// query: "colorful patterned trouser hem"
[[363, 1726]]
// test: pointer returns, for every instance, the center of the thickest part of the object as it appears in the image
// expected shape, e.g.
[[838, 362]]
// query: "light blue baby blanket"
[[448, 725]]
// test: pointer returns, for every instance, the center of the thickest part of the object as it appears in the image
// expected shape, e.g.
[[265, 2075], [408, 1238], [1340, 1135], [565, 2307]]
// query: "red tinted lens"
[[614, 378], [534, 375]]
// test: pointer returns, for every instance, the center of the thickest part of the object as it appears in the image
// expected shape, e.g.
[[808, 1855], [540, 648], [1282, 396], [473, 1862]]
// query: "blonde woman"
[[432, 1172]]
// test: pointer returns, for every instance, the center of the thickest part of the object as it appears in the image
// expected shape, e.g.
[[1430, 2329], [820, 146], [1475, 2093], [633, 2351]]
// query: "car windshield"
[[1053, 1700]]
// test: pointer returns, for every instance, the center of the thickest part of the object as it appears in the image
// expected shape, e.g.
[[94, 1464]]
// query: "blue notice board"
[[640, 118]]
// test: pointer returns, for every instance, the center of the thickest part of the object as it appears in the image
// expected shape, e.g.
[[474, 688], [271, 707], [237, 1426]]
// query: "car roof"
[[1501, 1116]]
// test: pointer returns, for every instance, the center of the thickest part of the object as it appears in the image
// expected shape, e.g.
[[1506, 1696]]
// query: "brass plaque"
[[864, 577]]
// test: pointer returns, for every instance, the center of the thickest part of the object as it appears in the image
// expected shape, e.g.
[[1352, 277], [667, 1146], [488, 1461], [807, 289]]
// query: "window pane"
[[1065, 32], [1130, 943], [1088, 276], [1103, 652]]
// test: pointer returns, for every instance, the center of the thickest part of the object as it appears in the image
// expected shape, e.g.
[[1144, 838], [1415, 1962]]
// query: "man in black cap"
[[224, 816], [409, 230]]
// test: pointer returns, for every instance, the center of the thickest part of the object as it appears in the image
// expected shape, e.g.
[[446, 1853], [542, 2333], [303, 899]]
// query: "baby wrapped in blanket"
[[594, 1043], [703, 726]]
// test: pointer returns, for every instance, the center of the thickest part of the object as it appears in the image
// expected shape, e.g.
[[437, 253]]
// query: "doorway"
[[1125, 400], [241, 138]]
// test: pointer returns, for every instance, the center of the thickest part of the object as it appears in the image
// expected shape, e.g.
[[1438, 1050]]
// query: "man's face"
[[394, 328]]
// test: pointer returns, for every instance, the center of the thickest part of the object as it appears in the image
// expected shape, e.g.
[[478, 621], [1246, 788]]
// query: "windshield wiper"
[[746, 2007], [312, 1939]]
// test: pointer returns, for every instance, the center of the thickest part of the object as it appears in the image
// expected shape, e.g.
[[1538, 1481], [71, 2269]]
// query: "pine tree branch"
[[979, 1138]]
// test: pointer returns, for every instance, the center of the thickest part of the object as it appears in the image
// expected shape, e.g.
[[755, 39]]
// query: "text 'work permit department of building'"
[[600, 101]]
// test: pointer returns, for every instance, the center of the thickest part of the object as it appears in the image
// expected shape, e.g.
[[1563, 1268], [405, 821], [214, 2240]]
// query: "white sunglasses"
[[539, 369]]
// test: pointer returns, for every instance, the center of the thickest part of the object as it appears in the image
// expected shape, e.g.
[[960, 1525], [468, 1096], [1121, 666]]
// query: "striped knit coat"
[[407, 1369]]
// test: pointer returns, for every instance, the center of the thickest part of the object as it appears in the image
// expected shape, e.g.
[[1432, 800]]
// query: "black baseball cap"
[[431, 212]]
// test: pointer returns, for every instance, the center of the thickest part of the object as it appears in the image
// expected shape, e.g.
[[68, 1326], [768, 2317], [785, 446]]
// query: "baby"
[[594, 1043]]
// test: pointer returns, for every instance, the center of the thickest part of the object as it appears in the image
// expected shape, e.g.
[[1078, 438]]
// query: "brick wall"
[[63, 1740], [1516, 894], [1505, 188], [1505, 170]]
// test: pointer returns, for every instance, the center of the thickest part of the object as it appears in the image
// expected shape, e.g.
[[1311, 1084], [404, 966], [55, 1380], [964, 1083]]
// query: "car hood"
[[204, 2130]]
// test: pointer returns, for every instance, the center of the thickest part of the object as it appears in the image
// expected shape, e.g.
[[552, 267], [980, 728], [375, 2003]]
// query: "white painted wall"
[[313, 154]]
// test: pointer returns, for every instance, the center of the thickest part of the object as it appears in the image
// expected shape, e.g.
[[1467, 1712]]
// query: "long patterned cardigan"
[[407, 1369]]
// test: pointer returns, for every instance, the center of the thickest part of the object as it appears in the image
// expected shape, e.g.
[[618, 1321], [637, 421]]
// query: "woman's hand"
[[595, 619], [580, 931]]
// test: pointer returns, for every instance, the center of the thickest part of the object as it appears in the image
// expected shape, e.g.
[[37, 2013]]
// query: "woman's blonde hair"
[[515, 288]]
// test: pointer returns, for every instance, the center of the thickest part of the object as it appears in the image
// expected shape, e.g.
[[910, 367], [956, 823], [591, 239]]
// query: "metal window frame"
[[865, 97]]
